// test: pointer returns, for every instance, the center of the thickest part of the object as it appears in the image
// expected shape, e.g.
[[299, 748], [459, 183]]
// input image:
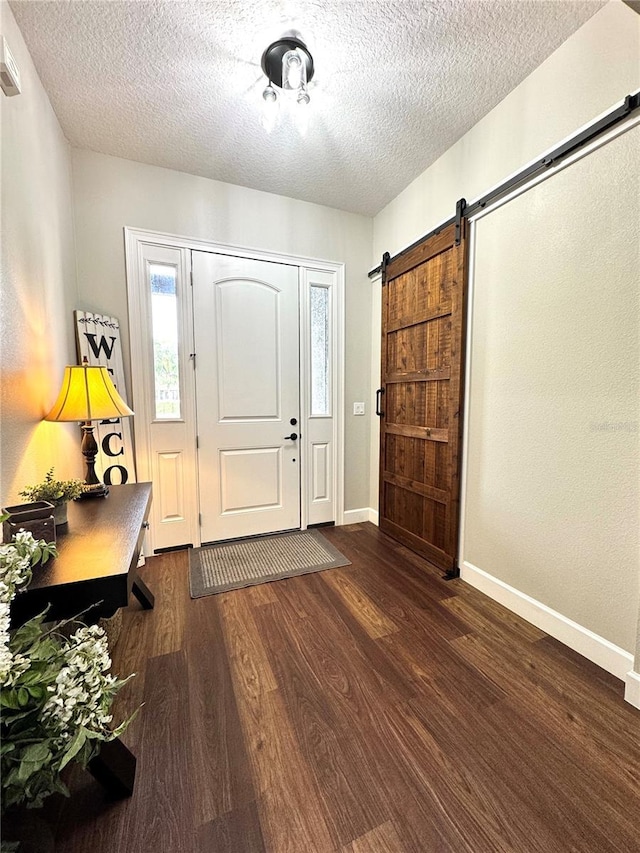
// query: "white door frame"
[[136, 241]]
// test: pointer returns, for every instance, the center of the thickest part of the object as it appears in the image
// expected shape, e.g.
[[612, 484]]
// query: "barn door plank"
[[423, 355]]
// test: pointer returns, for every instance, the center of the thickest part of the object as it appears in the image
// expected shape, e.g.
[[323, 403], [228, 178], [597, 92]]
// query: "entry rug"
[[245, 562]]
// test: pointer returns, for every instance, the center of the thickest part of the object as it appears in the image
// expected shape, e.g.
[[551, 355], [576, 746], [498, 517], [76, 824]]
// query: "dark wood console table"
[[98, 552], [96, 567]]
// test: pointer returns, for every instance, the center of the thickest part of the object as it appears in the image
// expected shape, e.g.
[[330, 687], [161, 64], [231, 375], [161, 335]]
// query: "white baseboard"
[[593, 647], [356, 516], [632, 689]]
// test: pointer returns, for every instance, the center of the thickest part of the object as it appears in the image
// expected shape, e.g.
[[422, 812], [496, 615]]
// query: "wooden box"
[[36, 517]]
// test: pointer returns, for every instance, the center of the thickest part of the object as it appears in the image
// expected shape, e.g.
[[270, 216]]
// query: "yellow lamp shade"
[[87, 394]]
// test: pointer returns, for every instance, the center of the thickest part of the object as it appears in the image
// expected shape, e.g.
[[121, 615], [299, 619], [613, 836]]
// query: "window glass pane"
[[164, 317], [320, 376]]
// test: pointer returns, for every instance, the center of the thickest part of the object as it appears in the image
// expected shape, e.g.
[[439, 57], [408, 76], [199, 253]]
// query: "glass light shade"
[[270, 114], [270, 94], [87, 394], [294, 71]]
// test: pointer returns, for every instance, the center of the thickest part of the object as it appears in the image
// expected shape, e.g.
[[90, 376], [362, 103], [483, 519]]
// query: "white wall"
[[110, 193], [37, 280], [585, 77]]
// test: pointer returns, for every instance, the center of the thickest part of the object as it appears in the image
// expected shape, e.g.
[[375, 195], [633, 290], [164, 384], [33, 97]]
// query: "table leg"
[[143, 593], [115, 769]]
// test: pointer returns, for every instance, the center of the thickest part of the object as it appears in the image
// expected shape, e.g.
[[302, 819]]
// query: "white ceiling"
[[179, 84]]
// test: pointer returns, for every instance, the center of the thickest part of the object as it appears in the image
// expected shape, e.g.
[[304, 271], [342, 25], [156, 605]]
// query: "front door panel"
[[247, 390]]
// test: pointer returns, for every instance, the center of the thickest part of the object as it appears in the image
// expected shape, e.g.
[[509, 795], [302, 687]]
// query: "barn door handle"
[[379, 394], [293, 436]]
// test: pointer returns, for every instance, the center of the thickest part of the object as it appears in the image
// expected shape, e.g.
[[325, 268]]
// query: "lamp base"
[[99, 490], [93, 487]]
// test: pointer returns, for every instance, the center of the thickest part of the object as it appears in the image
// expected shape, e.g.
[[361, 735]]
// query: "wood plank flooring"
[[369, 709]]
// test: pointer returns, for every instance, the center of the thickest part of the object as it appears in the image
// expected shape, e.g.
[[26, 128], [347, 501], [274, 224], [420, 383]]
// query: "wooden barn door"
[[420, 402]]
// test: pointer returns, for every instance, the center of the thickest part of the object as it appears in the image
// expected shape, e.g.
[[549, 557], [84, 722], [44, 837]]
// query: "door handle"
[[379, 394], [293, 436]]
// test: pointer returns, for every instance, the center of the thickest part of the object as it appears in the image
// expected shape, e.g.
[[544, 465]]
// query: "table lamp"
[[88, 394]]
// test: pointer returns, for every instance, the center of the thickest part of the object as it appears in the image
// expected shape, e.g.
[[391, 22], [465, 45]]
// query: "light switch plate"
[[358, 408]]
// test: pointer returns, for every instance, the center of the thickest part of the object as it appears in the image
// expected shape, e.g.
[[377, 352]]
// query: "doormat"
[[245, 562]]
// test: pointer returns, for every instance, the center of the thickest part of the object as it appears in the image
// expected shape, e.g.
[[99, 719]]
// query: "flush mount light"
[[288, 65]]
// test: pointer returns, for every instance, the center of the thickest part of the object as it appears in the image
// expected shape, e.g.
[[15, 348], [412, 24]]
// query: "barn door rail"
[[630, 105]]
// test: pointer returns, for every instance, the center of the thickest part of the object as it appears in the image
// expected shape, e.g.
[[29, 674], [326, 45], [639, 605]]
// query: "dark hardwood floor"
[[371, 709]]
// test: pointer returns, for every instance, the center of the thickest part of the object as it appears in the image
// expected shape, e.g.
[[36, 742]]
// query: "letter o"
[[124, 475]]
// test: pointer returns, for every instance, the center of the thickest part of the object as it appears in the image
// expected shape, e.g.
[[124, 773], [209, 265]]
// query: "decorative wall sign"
[[98, 338]]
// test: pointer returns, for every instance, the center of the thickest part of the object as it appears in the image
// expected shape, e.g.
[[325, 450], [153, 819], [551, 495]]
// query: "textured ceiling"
[[179, 84]]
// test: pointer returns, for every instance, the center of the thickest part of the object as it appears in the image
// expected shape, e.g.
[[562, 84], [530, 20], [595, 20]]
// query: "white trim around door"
[[166, 432]]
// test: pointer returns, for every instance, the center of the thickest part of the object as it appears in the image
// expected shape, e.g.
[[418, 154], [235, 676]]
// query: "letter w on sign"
[[98, 338], [100, 344]]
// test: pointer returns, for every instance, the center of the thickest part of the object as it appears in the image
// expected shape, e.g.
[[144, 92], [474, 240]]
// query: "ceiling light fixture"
[[288, 65]]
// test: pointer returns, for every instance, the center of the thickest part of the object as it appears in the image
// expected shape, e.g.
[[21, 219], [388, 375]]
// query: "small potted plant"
[[56, 692], [57, 492]]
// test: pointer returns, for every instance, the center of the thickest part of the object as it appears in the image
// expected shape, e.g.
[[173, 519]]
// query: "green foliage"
[[55, 491], [165, 362], [55, 690], [34, 748]]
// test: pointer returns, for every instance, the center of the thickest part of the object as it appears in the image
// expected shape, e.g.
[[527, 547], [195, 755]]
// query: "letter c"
[[106, 444]]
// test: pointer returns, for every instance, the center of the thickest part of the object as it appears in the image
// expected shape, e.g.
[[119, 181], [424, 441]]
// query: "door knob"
[[293, 436]]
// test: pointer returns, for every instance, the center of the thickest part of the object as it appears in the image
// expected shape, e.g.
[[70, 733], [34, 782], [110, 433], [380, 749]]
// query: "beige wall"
[[585, 77], [110, 193], [37, 281], [554, 411]]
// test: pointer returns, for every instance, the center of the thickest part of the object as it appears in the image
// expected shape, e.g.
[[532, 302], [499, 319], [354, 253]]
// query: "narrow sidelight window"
[[320, 351], [166, 364]]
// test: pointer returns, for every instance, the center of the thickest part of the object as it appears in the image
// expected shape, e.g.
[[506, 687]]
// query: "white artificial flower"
[[6, 659], [81, 685], [15, 563], [5, 655]]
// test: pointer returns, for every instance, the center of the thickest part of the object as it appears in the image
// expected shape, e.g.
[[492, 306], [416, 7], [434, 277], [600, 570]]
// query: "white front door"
[[246, 325]]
